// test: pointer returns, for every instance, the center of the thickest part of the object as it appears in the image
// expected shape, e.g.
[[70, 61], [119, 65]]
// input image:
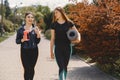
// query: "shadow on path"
[[83, 71]]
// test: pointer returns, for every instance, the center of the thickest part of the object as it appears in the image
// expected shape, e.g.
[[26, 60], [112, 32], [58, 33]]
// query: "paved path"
[[46, 69]]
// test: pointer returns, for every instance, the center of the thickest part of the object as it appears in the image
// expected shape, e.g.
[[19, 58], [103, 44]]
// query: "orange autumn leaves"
[[99, 26]]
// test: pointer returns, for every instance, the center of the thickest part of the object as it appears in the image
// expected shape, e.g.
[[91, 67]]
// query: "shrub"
[[99, 27], [48, 34], [8, 26]]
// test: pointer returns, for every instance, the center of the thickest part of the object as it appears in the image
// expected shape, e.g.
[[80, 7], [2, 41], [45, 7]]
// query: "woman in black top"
[[28, 36], [60, 42]]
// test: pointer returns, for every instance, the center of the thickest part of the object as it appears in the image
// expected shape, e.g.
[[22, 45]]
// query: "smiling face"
[[29, 19]]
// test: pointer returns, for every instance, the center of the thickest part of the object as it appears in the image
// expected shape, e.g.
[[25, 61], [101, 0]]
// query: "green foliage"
[[3, 10], [48, 20], [11, 17], [111, 69], [39, 11], [66, 8], [8, 10], [16, 19], [95, 2], [25, 9], [8, 26], [15, 26], [43, 9], [38, 16], [48, 34]]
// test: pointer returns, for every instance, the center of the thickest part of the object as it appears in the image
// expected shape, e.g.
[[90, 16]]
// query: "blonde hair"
[[62, 13]]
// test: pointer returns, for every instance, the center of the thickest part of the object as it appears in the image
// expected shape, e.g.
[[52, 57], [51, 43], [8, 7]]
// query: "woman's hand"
[[52, 44], [37, 31], [52, 55], [23, 39]]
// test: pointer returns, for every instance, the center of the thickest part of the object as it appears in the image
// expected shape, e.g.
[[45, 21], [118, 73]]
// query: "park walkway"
[[46, 69]]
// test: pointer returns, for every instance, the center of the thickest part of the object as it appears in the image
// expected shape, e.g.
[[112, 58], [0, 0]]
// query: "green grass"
[[5, 36]]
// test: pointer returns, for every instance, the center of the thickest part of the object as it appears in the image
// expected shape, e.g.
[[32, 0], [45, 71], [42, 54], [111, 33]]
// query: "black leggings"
[[29, 59], [62, 54]]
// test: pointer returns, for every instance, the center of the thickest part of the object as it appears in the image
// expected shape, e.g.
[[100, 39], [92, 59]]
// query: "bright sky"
[[51, 3]]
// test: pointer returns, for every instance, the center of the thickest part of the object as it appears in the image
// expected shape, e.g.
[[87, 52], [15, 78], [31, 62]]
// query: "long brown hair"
[[62, 13], [27, 13]]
